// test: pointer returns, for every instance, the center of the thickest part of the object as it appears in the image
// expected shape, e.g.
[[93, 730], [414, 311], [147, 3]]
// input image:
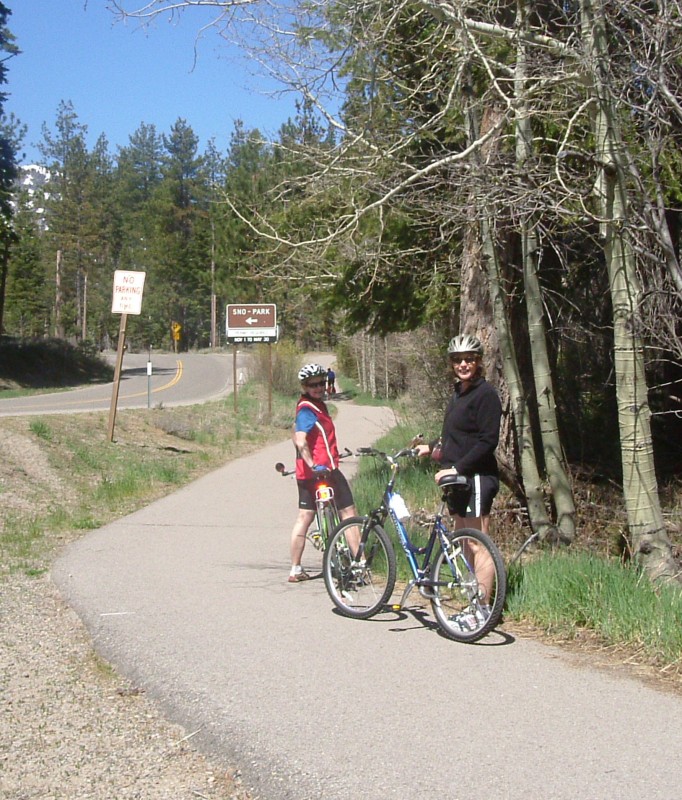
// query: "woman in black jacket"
[[471, 431]]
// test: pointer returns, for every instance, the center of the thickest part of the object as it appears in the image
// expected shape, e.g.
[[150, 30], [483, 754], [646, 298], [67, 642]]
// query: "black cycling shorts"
[[342, 493], [477, 500]]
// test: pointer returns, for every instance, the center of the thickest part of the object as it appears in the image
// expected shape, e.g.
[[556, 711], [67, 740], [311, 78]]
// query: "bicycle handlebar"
[[406, 452], [283, 471]]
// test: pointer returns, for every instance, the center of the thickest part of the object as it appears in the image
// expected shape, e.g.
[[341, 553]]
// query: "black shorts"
[[477, 500], [342, 493]]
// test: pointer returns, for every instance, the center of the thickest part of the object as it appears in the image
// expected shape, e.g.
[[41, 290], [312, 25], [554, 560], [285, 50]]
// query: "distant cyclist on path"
[[331, 382], [315, 439]]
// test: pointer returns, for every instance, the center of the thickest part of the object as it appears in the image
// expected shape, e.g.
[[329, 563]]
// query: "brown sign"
[[249, 323]]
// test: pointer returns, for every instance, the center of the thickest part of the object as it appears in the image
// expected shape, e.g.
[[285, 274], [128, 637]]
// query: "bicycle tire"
[[329, 521], [317, 538], [456, 602], [359, 589]]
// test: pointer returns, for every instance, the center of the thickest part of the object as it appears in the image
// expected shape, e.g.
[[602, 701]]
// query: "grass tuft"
[[41, 429]]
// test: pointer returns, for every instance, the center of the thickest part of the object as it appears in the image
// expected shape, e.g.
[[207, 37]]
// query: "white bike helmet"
[[465, 343], [311, 371]]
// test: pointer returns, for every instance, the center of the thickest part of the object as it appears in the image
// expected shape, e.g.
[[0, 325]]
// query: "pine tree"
[[11, 134]]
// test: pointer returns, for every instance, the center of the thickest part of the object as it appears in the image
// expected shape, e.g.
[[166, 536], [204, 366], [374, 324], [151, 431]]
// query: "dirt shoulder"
[[73, 728], [70, 727]]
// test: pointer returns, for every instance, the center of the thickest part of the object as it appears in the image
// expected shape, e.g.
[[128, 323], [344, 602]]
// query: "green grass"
[[10, 394], [566, 592], [352, 390], [41, 429]]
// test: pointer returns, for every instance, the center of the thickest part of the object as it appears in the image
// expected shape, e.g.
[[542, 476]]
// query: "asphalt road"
[[181, 379], [189, 598]]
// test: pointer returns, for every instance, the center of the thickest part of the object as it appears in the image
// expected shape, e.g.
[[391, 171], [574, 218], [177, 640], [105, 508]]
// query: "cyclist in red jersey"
[[315, 440]]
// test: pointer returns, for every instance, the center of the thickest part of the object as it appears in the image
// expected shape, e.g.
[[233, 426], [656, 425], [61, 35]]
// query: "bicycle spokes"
[[359, 579], [469, 585]]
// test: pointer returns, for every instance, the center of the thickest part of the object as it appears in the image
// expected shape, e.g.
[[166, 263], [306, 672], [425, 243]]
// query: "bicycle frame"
[[324, 503], [438, 533]]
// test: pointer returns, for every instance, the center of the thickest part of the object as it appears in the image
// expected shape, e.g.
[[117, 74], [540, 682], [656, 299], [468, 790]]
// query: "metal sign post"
[[149, 379], [128, 288], [270, 383], [234, 378]]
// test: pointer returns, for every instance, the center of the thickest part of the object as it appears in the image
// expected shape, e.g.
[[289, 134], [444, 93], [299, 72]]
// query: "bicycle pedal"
[[396, 607]]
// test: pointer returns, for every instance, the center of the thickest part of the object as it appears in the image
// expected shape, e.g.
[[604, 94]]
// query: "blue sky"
[[118, 76]]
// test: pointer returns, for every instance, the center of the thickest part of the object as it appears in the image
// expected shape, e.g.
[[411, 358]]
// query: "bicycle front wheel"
[[470, 585], [359, 588]]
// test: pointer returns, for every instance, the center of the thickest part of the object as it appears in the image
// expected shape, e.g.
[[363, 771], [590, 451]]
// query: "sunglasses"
[[466, 359], [315, 385]]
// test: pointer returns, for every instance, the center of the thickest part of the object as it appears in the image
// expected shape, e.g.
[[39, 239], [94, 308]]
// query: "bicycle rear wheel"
[[328, 522], [359, 589], [317, 538], [459, 605]]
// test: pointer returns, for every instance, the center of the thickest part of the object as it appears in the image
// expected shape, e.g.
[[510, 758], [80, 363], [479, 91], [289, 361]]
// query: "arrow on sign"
[[252, 320]]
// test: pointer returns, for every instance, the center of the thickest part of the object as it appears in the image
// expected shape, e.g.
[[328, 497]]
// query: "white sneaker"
[[471, 619]]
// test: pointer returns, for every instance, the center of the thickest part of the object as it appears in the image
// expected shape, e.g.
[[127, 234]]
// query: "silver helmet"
[[311, 371], [465, 343]]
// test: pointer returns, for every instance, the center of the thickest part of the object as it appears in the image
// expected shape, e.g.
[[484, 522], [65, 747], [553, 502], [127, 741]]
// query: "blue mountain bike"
[[461, 572]]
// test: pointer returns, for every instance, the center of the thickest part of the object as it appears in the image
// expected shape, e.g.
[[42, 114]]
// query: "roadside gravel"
[[71, 728]]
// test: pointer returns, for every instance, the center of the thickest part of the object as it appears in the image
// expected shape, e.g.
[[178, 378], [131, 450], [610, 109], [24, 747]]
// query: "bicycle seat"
[[453, 482]]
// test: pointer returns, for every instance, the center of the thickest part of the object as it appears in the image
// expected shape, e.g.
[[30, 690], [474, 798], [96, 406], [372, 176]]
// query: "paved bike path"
[[189, 598]]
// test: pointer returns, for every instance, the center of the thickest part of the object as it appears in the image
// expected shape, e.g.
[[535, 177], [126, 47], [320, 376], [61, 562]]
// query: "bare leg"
[[303, 520], [352, 534], [482, 562]]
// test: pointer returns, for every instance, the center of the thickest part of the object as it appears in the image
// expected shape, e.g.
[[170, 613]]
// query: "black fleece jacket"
[[471, 429]]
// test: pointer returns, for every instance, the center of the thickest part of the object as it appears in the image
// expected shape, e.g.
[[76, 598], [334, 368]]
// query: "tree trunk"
[[4, 269], [555, 469], [651, 546], [532, 483], [58, 299], [372, 364]]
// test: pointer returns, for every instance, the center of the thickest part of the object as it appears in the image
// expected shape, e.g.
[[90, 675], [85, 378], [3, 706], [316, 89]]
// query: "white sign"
[[128, 288]]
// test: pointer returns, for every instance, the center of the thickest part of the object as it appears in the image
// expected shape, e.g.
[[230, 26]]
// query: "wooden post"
[[270, 382], [234, 376], [117, 375]]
